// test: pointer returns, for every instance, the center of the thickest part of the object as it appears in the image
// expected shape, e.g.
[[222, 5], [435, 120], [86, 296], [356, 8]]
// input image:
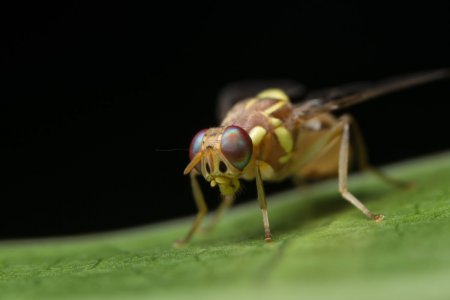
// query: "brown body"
[[277, 162], [267, 138]]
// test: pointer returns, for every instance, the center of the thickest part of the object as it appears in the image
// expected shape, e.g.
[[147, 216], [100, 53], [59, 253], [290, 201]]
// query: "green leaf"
[[323, 249]]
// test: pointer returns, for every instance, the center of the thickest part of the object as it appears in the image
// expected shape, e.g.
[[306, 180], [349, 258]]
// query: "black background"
[[93, 96]]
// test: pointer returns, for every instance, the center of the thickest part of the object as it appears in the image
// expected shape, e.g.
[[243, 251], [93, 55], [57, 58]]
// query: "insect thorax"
[[271, 126]]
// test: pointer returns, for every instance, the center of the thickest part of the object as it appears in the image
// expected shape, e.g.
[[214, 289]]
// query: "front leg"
[[227, 201], [202, 209], [263, 203]]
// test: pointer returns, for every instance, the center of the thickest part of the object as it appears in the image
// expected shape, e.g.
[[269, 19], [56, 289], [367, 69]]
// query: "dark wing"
[[235, 92], [343, 96]]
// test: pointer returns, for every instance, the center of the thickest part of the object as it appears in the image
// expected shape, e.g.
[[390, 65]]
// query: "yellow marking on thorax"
[[285, 139], [267, 171], [285, 158], [250, 103], [274, 94], [274, 107], [275, 122], [257, 133]]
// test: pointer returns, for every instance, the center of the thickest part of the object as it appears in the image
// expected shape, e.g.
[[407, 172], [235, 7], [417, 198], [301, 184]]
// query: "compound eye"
[[237, 147], [196, 145]]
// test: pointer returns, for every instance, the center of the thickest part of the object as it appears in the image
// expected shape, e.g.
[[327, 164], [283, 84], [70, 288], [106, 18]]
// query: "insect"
[[266, 137]]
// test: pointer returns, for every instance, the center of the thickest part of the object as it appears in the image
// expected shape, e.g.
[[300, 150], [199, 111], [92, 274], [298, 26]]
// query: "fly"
[[268, 138]]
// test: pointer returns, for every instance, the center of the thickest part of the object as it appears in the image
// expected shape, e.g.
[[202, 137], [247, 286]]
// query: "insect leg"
[[363, 162], [201, 205], [263, 204], [227, 201], [343, 171]]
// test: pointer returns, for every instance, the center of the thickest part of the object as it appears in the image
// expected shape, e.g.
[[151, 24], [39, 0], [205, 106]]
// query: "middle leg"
[[263, 203]]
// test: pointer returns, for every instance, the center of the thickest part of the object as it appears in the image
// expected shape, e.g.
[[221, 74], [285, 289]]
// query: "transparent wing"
[[339, 97]]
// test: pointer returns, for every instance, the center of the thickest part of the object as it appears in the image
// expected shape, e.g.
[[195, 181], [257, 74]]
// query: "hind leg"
[[344, 124], [363, 162]]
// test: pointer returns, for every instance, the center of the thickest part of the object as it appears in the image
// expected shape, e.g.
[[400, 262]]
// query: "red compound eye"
[[196, 145], [236, 146]]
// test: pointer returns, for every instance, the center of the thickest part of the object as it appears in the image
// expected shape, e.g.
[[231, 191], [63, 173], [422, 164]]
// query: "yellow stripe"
[[284, 159], [250, 103], [274, 94], [275, 122], [257, 133], [267, 171], [274, 107], [285, 139]]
